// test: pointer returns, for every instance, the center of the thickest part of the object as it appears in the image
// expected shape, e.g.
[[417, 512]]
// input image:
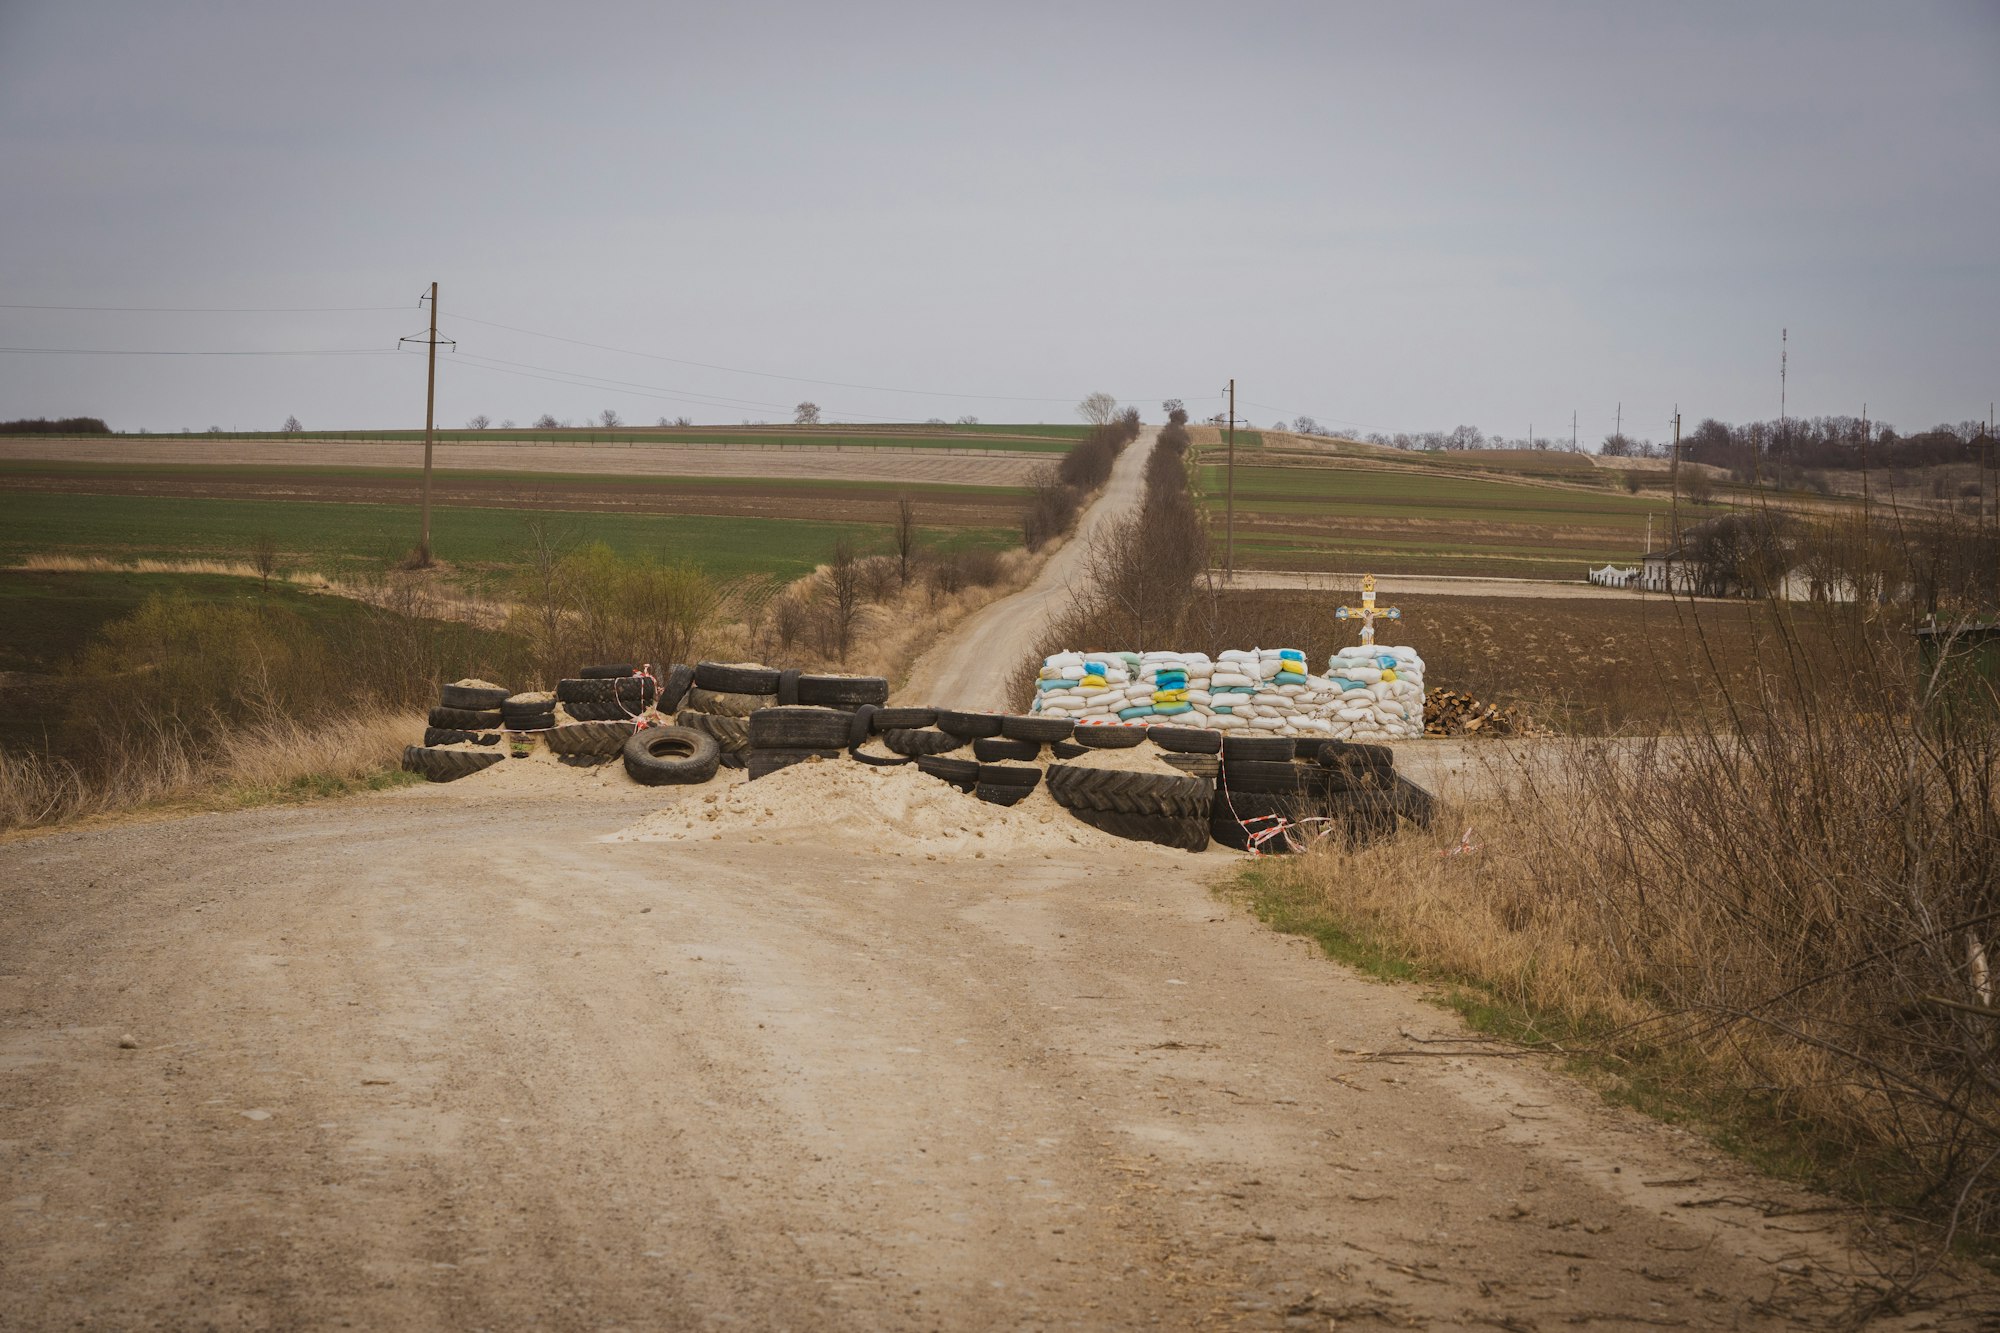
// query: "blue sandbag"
[[1143, 710], [1171, 710]]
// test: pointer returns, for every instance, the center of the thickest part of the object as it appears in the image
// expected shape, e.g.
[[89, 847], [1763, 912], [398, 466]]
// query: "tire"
[[1357, 779], [1265, 749], [727, 705], [537, 703], [1068, 749], [539, 722], [968, 726], [599, 738], [1415, 803], [1268, 777], [1025, 777], [732, 734], [1227, 822], [1195, 765], [674, 687], [630, 690], [466, 719], [960, 773], [876, 760], [608, 672], [1077, 787], [763, 763], [661, 756], [788, 688], [1366, 817], [1185, 740], [472, 698], [735, 678], [799, 729], [1108, 737], [1353, 755], [903, 719], [448, 736], [920, 743], [447, 765], [1041, 730], [860, 724], [987, 749], [843, 691], [611, 712], [1186, 833], [998, 795]]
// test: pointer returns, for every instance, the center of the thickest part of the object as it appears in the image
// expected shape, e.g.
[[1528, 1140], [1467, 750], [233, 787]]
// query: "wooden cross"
[[1367, 610]]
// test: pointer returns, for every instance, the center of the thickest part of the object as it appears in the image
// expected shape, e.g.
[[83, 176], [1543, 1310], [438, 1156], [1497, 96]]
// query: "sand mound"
[[540, 772], [854, 805]]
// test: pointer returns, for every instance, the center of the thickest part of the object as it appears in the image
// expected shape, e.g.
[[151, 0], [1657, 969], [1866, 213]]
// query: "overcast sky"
[[1385, 216]]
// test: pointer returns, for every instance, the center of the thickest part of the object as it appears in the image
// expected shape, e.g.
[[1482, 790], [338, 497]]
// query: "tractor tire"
[[663, 756], [447, 765]]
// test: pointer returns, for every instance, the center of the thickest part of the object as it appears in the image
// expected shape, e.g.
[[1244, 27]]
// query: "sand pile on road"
[[898, 810], [542, 773]]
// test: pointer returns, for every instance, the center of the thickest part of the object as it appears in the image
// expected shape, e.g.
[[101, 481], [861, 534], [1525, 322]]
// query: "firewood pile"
[[1454, 713]]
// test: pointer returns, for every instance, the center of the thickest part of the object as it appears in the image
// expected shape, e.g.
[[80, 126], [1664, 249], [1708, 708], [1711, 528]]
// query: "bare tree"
[[508, 424], [609, 419], [968, 420], [843, 586], [480, 422], [1171, 406], [906, 538], [292, 426], [264, 554], [1305, 426], [547, 421], [1698, 487], [806, 414], [1633, 481], [1098, 409]]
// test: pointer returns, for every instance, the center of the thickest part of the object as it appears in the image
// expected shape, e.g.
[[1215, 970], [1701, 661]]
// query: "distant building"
[[1613, 577], [1665, 571]]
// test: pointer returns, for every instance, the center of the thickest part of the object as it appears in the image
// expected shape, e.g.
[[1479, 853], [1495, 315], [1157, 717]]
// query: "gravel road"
[[438, 1060], [970, 669]]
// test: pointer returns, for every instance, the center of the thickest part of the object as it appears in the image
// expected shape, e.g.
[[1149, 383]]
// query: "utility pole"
[[1572, 430], [1674, 506], [430, 424], [1620, 429], [1229, 487]]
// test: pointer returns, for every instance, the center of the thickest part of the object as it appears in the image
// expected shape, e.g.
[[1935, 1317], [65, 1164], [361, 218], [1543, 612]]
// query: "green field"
[[339, 538], [1424, 520], [1028, 439]]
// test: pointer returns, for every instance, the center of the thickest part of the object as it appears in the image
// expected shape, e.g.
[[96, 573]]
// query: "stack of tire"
[[1171, 809], [600, 708], [1352, 786], [1007, 751], [809, 716], [468, 714]]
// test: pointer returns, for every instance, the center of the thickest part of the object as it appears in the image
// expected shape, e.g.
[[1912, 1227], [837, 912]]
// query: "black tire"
[[726, 705], [1364, 778], [877, 760], [1187, 832], [535, 703], [608, 672], [988, 749], [763, 763], [1068, 749], [998, 795], [661, 756], [1108, 737], [1415, 803], [630, 690], [471, 698], [447, 765], [466, 719], [860, 724], [538, 722], [1041, 730], [449, 736], [1186, 740], [1195, 765], [611, 712], [1351, 755], [799, 729], [1024, 776], [674, 687], [1237, 818], [1366, 817], [736, 677], [843, 691], [968, 725], [917, 743], [903, 719], [788, 688], [1269, 777], [1078, 787], [960, 773], [590, 738], [1265, 749], [732, 734]]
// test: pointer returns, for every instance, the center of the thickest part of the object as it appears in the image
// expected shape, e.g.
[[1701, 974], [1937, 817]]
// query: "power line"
[[213, 309], [143, 351]]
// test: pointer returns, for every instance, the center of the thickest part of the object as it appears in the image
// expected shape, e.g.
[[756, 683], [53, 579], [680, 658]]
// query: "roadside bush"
[[1051, 510], [593, 605]]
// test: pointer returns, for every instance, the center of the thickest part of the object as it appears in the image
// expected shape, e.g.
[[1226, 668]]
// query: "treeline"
[[1830, 444], [55, 426], [1057, 492]]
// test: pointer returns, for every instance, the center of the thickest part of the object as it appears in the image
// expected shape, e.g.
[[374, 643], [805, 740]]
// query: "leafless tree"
[[264, 554], [806, 414], [1697, 486], [1305, 426], [906, 538], [480, 422], [292, 426], [1171, 406], [547, 421], [968, 420], [1098, 409], [843, 586], [609, 419]]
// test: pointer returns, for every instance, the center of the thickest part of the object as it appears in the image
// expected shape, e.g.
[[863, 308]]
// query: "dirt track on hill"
[[439, 1060]]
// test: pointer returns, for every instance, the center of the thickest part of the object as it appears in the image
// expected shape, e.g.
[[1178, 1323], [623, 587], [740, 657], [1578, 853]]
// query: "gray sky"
[[1397, 217]]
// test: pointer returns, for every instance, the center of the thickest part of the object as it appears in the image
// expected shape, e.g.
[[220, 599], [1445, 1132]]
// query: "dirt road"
[[432, 1060], [970, 669]]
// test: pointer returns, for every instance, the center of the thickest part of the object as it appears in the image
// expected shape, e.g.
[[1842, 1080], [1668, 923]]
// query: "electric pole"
[[1572, 430], [1674, 483], [430, 424], [1229, 489]]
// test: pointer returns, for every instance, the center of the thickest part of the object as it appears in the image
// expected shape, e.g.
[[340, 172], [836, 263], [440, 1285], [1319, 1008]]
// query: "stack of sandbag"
[[1367, 694]]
